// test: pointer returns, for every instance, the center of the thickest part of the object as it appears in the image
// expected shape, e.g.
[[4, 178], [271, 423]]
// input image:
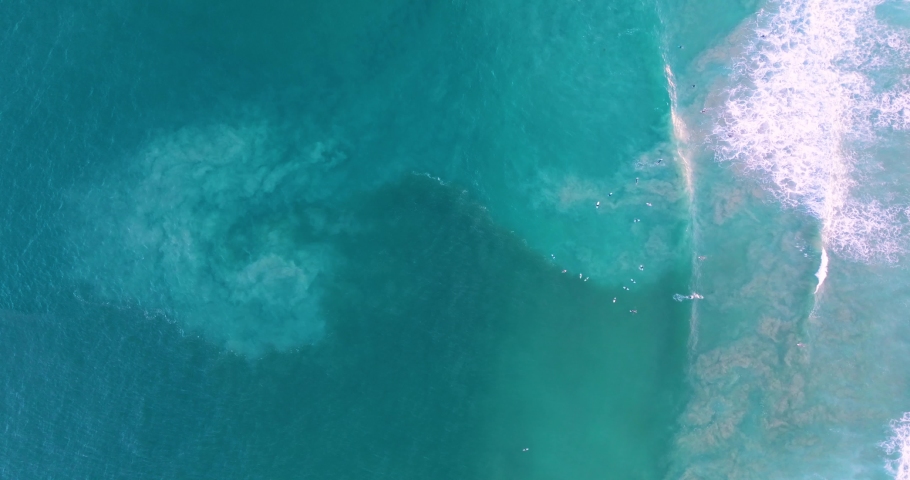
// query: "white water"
[[810, 95], [817, 95], [899, 445], [821, 85], [822, 272]]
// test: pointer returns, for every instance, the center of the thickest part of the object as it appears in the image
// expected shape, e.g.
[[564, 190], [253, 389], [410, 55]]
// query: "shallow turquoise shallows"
[[498, 240]]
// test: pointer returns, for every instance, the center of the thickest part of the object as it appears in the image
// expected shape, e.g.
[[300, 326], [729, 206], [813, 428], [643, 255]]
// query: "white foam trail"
[[899, 445], [822, 272], [804, 105]]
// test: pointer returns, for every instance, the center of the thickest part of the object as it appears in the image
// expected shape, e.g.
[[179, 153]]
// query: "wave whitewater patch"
[[899, 446], [812, 92]]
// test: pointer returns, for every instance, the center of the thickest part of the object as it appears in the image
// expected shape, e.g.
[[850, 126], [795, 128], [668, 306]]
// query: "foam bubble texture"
[[899, 445], [812, 91]]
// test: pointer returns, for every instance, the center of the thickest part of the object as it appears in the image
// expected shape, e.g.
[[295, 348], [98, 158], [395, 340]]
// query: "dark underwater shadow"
[[450, 348]]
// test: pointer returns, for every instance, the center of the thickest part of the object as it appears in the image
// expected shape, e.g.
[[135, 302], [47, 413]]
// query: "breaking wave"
[[814, 89]]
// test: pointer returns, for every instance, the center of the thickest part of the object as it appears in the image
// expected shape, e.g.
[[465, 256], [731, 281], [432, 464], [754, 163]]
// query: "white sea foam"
[[822, 272], [680, 131], [817, 86], [899, 446], [808, 98]]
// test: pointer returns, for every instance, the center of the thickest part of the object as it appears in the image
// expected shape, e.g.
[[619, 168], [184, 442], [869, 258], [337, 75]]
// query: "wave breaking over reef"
[[815, 87]]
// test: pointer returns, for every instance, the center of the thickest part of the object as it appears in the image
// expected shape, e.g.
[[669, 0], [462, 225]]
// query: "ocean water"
[[637, 239]]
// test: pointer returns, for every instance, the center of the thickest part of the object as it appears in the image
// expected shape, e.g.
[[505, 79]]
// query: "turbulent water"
[[637, 239]]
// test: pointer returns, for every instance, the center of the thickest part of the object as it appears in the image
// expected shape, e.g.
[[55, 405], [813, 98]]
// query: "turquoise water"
[[448, 240]]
